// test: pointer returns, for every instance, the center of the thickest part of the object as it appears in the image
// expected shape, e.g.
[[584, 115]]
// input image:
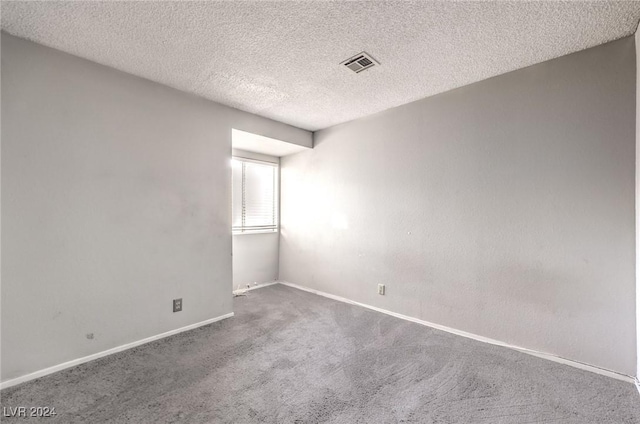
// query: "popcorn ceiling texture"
[[281, 60]]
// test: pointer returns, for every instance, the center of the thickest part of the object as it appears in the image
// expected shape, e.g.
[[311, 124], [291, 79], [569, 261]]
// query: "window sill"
[[242, 233]]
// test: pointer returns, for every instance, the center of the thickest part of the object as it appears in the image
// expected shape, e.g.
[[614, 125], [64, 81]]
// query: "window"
[[254, 196]]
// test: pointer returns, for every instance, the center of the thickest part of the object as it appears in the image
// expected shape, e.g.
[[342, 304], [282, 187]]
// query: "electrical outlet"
[[381, 289], [177, 305]]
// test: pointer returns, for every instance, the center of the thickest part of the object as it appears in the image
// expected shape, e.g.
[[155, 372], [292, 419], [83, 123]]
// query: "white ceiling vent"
[[360, 62]]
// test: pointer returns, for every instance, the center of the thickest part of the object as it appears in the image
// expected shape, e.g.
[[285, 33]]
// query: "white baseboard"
[[73, 363], [257, 286], [543, 355]]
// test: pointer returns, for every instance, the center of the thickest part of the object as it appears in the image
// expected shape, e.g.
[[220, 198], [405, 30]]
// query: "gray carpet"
[[293, 357]]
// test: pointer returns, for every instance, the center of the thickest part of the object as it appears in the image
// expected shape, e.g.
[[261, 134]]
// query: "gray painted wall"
[[637, 44], [115, 200], [255, 256], [504, 208], [255, 259]]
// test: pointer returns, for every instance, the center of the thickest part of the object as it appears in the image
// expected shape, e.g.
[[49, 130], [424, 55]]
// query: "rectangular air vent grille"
[[360, 62]]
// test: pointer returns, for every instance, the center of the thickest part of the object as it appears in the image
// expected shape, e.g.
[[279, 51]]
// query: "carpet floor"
[[289, 356]]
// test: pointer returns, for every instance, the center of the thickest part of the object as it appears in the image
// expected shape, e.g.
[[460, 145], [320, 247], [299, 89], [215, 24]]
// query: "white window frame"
[[253, 230]]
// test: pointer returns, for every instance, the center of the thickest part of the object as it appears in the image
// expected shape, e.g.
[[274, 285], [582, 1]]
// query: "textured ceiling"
[[281, 59]]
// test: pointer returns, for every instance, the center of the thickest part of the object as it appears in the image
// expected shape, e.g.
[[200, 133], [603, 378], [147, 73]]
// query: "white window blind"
[[254, 196]]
